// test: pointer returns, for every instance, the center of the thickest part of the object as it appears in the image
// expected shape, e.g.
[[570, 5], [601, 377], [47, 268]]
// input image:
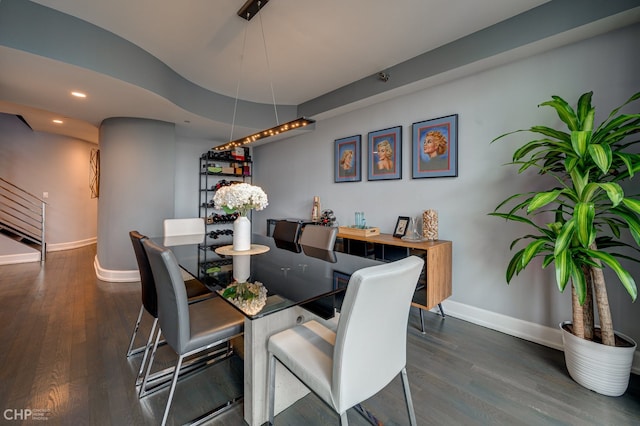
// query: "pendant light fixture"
[[250, 9]]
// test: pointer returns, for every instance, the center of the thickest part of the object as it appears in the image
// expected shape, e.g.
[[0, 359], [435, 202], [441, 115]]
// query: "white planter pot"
[[601, 368]]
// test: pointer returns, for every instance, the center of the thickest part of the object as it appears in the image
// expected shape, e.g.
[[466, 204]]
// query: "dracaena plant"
[[590, 209]]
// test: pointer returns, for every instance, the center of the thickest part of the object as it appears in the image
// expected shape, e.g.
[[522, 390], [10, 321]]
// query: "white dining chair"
[[175, 229], [369, 348], [184, 226]]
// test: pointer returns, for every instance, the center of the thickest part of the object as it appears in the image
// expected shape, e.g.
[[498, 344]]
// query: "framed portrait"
[[385, 154], [347, 159], [435, 147], [401, 226]]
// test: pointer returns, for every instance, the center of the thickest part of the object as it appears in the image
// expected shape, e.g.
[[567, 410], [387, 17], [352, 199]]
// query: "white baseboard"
[[71, 245], [10, 259], [546, 336], [34, 255], [114, 275]]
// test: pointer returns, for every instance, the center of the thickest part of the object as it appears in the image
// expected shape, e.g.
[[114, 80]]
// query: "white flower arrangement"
[[250, 297], [240, 197]]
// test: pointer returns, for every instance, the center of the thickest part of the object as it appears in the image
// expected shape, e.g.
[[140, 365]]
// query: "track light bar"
[[251, 8], [280, 128]]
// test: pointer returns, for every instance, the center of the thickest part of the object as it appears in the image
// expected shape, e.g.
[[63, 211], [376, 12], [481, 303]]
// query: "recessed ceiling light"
[[79, 94], [58, 121]]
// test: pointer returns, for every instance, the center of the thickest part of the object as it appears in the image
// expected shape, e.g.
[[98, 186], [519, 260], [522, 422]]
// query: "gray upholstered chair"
[[368, 350], [286, 231], [196, 291], [188, 329], [323, 237]]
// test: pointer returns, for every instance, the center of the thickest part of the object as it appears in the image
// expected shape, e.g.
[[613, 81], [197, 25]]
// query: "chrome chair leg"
[[135, 332], [172, 390], [407, 396], [152, 383], [149, 364], [146, 351]]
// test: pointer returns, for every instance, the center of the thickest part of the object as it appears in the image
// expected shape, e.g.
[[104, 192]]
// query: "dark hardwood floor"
[[64, 335]]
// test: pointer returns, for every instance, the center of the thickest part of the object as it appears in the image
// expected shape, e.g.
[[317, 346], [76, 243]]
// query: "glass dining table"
[[302, 283]]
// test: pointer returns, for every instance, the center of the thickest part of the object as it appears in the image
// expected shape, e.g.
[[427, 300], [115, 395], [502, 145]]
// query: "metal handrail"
[[23, 214]]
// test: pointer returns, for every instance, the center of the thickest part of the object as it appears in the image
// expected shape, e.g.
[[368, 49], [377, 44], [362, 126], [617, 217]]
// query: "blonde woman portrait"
[[346, 163], [346, 159], [435, 148], [385, 156]]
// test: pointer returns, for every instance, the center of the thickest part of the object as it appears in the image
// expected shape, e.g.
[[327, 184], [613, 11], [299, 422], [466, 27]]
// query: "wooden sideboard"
[[437, 257]]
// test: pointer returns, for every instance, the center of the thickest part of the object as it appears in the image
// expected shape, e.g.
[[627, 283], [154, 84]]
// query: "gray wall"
[[489, 104], [144, 176], [148, 175], [136, 185], [43, 162]]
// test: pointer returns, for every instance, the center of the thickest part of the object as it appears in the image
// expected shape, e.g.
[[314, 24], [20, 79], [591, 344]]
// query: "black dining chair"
[[196, 292], [286, 231], [189, 329]]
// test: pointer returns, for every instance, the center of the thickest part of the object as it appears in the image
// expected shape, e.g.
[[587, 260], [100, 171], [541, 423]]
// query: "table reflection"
[[291, 274]]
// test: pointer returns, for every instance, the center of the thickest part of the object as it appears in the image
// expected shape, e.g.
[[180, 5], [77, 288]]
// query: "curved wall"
[[136, 187]]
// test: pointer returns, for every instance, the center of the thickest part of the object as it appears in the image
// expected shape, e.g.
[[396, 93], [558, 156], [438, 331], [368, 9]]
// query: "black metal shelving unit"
[[217, 169]]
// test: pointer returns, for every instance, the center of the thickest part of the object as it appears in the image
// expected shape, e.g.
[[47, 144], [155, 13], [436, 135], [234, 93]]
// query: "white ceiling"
[[314, 47]]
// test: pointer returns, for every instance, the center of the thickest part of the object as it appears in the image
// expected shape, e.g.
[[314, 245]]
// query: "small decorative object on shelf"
[[241, 198], [361, 222], [250, 297], [361, 232], [315, 211], [238, 153], [430, 225], [412, 231], [327, 218]]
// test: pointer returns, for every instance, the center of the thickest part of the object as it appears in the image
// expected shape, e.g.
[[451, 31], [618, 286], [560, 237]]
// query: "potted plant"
[[590, 216]]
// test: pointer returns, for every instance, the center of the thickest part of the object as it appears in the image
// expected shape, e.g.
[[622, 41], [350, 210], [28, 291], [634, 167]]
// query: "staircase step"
[[9, 234]]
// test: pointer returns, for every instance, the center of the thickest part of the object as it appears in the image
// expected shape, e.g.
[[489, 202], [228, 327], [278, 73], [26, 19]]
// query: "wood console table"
[[437, 257]]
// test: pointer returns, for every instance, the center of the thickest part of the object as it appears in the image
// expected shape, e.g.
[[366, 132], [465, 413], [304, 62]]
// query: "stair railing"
[[23, 214]]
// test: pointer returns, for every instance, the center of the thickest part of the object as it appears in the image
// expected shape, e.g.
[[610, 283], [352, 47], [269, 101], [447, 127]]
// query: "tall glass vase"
[[242, 234]]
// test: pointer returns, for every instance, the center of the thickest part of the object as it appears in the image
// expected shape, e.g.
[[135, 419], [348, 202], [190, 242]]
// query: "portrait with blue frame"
[[435, 147], [385, 154], [347, 159]]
